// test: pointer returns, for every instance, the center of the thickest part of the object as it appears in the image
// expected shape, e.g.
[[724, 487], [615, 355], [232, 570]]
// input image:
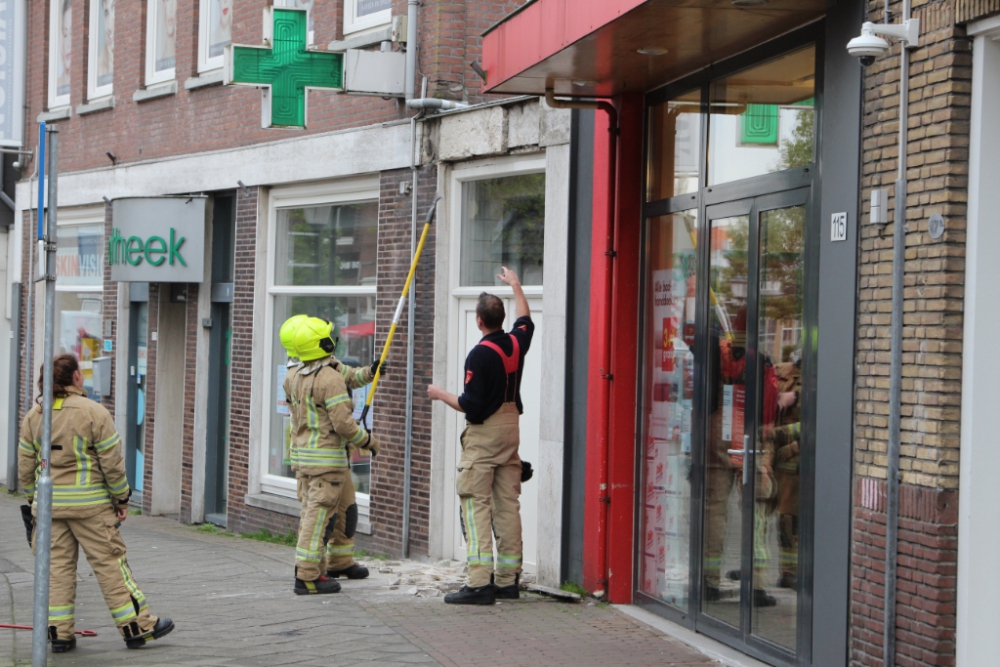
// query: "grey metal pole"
[[43, 492], [410, 329], [14, 395], [412, 10], [896, 364]]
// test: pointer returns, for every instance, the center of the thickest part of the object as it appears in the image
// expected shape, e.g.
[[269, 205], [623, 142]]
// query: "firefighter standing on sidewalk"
[[323, 431], [90, 497], [489, 474]]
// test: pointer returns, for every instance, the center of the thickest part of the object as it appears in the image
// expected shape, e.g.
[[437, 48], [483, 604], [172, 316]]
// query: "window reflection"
[[762, 119], [674, 147]]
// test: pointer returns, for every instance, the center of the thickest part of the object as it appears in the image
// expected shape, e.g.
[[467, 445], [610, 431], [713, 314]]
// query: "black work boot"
[[63, 645], [318, 587], [511, 592], [484, 595], [163, 627], [355, 571], [762, 599]]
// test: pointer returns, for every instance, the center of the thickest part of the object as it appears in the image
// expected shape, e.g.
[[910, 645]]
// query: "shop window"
[[324, 264], [668, 377], [503, 224], [762, 119], [101, 63], [674, 147], [161, 35], [363, 14], [60, 50], [79, 295]]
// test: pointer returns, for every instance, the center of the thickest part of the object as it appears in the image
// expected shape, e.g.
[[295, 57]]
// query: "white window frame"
[[348, 191], [206, 63], [354, 23], [55, 100], [152, 76], [95, 92], [476, 171]]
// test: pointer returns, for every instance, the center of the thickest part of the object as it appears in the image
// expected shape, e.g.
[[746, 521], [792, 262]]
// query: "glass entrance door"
[[750, 547], [136, 401]]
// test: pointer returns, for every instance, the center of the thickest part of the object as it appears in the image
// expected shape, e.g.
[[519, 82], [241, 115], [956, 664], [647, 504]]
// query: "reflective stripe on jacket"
[[87, 467], [321, 407]]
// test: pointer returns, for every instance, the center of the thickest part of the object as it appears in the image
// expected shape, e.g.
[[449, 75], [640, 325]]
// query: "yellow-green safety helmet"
[[287, 332], [313, 339]]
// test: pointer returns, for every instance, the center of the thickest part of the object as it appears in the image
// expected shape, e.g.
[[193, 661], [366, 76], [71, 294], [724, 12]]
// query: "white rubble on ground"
[[428, 579]]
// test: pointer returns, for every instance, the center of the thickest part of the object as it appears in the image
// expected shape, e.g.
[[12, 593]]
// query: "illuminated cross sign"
[[285, 67]]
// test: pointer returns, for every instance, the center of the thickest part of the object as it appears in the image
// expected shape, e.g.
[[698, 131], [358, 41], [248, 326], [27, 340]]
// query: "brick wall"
[[110, 306], [153, 319], [193, 325], [389, 405], [927, 568], [176, 124], [937, 176]]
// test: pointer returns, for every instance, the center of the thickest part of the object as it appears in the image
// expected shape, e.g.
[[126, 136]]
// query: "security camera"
[[868, 45]]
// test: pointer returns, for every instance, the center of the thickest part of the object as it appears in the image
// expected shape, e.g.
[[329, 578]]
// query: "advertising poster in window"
[[63, 45], [220, 26], [166, 33], [105, 43], [368, 7]]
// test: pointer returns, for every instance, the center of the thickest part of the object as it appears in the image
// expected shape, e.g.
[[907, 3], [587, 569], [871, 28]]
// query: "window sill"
[[376, 36], [292, 507], [101, 104], [62, 113], [155, 91], [204, 80]]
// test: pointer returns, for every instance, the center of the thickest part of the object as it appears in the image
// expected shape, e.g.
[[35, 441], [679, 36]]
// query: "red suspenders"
[[510, 362]]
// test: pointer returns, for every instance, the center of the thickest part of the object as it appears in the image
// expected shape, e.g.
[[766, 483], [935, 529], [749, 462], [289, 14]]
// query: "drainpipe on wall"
[[896, 366], [604, 435]]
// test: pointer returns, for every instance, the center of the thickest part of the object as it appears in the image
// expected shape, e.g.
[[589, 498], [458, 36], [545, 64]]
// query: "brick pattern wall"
[[970, 10], [390, 401], [110, 305], [927, 568], [149, 455], [193, 324], [937, 168], [174, 125], [937, 178]]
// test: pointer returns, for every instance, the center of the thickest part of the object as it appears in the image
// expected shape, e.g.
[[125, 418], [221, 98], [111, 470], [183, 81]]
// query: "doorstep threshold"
[[706, 645]]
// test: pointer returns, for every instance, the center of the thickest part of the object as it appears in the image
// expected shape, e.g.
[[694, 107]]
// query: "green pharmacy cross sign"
[[285, 67]]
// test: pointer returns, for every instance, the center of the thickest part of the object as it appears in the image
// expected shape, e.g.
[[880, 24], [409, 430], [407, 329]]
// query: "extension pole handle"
[[399, 306]]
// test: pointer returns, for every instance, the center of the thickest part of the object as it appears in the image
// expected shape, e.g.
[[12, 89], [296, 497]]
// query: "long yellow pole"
[[399, 307]]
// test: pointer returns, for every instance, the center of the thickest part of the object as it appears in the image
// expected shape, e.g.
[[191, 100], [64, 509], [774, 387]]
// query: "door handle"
[[746, 458]]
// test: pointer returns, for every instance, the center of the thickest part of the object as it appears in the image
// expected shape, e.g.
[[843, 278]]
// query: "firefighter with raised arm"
[[90, 496], [323, 431], [490, 471]]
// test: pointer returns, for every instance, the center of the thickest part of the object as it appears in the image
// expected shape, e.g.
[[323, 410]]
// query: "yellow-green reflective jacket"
[[321, 407], [87, 467]]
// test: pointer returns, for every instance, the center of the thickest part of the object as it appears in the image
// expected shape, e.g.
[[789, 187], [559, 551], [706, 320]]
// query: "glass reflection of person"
[[165, 39], [106, 56], [65, 47], [222, 29]]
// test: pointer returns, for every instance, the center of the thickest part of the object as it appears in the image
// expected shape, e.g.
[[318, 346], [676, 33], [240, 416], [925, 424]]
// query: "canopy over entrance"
[[607, 47]]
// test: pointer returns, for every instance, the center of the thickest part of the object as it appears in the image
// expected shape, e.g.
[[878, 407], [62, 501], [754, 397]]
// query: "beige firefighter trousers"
[[489, 485], [102, 544], [320, 496], [339, 553]]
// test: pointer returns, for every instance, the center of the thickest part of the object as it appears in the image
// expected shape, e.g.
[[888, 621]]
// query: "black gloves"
[[29, 523], [526, 471], [375, 367]]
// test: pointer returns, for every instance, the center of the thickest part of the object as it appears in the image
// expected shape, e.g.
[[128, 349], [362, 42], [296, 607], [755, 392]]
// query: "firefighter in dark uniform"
[[490, 471]]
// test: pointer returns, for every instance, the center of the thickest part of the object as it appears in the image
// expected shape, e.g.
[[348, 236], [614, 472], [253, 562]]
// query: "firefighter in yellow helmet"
[[323, 431], [90, 497]]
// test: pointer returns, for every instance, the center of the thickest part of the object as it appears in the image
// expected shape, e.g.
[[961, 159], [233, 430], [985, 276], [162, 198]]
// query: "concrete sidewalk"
[[232, 602]]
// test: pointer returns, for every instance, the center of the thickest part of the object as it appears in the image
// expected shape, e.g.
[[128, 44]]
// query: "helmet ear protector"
[[329, 344]]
